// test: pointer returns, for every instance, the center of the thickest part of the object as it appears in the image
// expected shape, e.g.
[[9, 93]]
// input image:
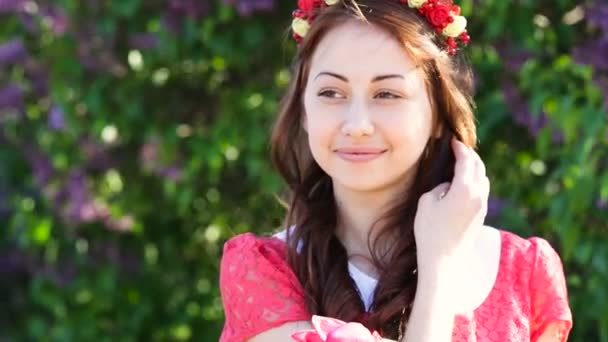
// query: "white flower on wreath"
[[331, 2], [300, 26], [415, 3], [455, 28]]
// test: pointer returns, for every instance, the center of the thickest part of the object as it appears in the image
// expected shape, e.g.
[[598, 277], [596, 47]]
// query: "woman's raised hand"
[[451, 214]]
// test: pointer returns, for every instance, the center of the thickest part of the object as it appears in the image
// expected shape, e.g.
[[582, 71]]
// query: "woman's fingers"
[[482, 188], [446, 223], [470, 182], [461, 154], [440, 191], [480, 174], [464, 169]]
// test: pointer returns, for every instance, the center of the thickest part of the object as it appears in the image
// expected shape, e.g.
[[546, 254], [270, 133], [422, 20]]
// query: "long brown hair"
[[321, 261]]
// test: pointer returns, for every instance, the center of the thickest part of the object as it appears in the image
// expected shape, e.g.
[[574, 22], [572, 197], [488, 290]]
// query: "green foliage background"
[[133, 143]]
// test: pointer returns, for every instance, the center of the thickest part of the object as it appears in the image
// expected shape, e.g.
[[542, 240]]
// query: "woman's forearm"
[[432, 316], [431, 319]]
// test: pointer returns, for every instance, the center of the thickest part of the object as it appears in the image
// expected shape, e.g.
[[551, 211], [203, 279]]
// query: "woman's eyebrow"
[[343, 78]]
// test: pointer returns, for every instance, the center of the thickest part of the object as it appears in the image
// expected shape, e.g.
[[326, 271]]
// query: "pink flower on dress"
[[327, 329]]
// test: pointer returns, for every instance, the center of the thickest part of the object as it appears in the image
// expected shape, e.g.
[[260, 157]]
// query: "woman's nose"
[[358, 122]]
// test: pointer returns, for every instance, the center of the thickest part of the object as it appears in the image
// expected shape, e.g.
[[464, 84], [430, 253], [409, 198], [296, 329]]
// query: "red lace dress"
[[260, 291]]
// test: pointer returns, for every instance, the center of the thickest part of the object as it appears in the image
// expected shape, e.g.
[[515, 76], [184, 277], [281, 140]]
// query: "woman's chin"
[[361, 184]]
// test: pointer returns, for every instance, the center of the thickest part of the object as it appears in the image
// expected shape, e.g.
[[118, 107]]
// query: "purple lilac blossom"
[[247, 7], [41, 165], [96, 155], [593, 53], [495, 206], [9, 6], [56, 120], [602, 83], [521, 113], [12, 51], [143, 41], [180, 9], [57, 19], [149, 157], [172, 22], [557, 137], [193, 8], [106, 251], [61, 274], [597, 14], [29, 22], [172, 172], [130, 261], [513, 60], [77, 201], [38, 76], [66, 274], [11, 96], [96, 52], [11, 261], [40, 84], [516, 103], [76, 193]]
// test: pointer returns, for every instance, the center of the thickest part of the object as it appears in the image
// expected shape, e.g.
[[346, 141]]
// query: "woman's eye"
[[332, 94], [387, 95]]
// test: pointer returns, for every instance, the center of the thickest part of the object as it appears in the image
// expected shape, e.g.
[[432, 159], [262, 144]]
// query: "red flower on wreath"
[[443, 15], [437, 13], [307, 5]]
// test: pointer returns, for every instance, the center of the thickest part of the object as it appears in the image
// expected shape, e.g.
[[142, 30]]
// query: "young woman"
[[375, 140]]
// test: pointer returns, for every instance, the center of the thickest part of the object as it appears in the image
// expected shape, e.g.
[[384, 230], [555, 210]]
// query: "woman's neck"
[[358, 212]]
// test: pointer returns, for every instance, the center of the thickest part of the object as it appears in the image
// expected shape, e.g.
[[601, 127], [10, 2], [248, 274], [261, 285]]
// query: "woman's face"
[[367, 111]]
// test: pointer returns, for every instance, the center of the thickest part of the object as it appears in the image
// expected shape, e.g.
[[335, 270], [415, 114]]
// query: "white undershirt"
[[365, 283]]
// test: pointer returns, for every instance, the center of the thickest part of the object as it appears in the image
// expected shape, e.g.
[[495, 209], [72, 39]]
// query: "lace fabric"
[[260, 291], [549, 295]]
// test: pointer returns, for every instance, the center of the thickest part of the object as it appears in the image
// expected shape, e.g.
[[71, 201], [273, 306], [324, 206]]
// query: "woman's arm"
[[446, 219], [431, 319], [432, 316], [553, 333], [282, 332]]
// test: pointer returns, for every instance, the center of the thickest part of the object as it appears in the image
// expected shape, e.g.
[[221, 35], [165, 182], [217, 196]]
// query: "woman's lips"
[[359, 154]]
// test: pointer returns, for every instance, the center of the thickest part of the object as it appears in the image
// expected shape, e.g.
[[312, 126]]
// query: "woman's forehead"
[[360, 48]]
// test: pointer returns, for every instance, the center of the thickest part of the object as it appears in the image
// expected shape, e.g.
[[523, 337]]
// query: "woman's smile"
[[359, 154]]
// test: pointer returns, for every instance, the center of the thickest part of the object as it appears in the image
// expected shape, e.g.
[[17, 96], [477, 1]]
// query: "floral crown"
[[443, 15]]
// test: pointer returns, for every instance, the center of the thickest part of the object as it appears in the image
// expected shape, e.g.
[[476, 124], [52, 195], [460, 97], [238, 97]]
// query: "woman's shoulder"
[[259, 290], [529, 285], [526, 249], [532, 271], [252, 243], [249, 249], [534, 265]]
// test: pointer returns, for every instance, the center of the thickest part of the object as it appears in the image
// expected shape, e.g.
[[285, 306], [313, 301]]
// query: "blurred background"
[[133, 143]]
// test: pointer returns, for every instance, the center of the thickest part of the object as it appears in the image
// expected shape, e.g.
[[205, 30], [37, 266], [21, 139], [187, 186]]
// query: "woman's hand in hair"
[[450, 215], [447, 219]]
